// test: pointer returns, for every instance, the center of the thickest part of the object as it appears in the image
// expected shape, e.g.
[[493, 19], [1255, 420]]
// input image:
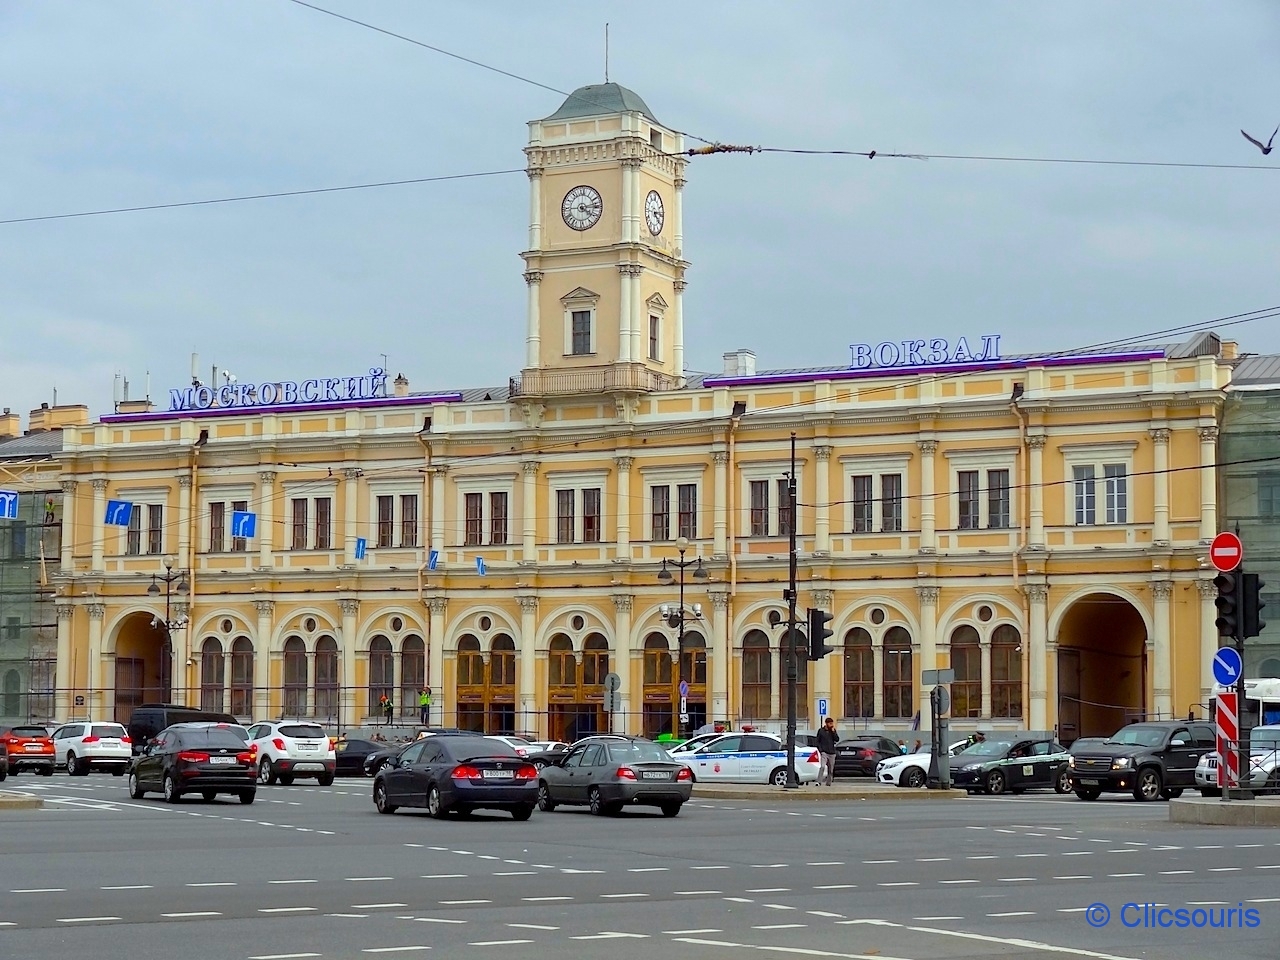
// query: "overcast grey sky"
[[135, 102]]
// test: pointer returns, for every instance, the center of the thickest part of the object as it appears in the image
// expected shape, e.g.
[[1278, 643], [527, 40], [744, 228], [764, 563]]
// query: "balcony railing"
[[632, 377]]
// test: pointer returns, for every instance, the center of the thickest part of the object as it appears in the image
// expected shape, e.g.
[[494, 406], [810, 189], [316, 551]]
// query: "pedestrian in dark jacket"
[[827, 739]]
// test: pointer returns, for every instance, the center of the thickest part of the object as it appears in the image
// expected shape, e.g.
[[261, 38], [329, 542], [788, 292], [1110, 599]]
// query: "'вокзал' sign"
[[923, 353]]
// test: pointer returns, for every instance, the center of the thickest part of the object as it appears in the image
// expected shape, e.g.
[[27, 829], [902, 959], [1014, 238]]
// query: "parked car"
[[451, 773], [86, 745], [149, 719], [4, 765], [351, 755], [1264, 766], [293, 748], [859, 756], [1149, 759], [388, 752], [182, 759], [912, 769], [519, 744], [28, 747], [609, 775], [747, 758], [1013, 764]]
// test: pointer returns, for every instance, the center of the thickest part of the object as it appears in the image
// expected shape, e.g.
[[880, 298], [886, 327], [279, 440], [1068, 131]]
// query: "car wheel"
[[595, 802], [325, 779], [247, 796], [995, 782], [4, 773], [135, 787], [170, 790], [1272, 785], [1061, 783], [778, 777], [384, 767], [286, 779], [209, 795], [545, 803], [266, 772], [380, 798], [435, 803], [48, 771], [1088, 793], [671, 809], [74, 767], [913, 777], [1148, 785], [118, 772], [1171, 793], [523, 813]]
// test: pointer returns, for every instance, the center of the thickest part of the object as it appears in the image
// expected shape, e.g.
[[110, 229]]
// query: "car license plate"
[[222, 759], [1087, 783], [308, 746], [33, 747], [652, 775], [497, 774]]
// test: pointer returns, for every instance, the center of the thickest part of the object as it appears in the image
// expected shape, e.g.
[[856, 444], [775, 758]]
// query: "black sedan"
[[196, 759], [450, 773], [351, 755], [607, 775], [859, 756], [1015, 764], [386, 755]]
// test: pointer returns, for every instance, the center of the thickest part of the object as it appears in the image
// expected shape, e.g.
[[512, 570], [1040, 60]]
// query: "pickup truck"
[[1150, 759]]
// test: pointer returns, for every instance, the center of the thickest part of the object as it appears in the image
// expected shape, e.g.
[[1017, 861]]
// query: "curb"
[[779, 795], [19, 801], [1236, 813]]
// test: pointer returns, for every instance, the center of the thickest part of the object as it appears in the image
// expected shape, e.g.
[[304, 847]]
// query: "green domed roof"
[[599, 99]]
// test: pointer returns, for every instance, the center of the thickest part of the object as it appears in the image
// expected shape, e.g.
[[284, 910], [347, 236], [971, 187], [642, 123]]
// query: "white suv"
[[85, 745], [293, 748]]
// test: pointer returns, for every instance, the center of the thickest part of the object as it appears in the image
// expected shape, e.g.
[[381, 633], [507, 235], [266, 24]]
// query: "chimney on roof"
[[58, 416], [740, 363], [401, 385], [10, 424]]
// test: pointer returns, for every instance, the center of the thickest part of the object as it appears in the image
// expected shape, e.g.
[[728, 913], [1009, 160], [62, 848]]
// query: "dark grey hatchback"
[[201, 759], [457, 774], [607, 775]]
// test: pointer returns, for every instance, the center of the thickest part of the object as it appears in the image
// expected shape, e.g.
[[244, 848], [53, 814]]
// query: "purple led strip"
[[283, 408]]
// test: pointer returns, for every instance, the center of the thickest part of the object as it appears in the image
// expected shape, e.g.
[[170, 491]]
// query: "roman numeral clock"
[[582, 207]]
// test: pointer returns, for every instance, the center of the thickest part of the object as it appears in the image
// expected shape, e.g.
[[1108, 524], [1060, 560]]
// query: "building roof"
[[34, 446], [598, 99], [1257, 371]]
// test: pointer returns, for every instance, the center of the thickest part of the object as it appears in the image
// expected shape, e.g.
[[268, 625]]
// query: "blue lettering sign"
[[287, 392], [889, 354]]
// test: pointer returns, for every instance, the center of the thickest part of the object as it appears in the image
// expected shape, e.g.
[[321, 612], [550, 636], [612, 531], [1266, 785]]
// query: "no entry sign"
[[1226, 552]]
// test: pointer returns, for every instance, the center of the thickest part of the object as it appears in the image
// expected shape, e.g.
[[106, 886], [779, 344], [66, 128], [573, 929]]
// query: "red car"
[[28, 748]]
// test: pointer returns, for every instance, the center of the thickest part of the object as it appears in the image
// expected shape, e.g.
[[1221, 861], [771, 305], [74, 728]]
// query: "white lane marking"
[[777, 906], [444, 876], [460, 903], [41, 890], [1116, 876], [86, 919], [932, 859], [1264, 900], [825, 863], [983, 857], [283, 956], [392, 949], [612, 935], [525, 899], [130, 886], [376, 906], [1210, 846], [193, 913], [677, 933], [824, 913], [1207, 903], [773, 949], [1082, 877], [1014, 913], [1015, 879], [285, 909], [293, 881], [1078, 853], [767, 866], [716, 867], [516, 873], [365, 879], [958, 881], [899, 883], [1270, 866], [837, 886], [437, 920], [220, 883], [647, 869], [779, 926], [1073, 909], [620, 896], [739, 900], [1031, 855], [879, 861], [1224, 869], [769, 890], [532, 926], [1247, 846], [572, 870], [694, 893], [349, 916], [946, 918], [497, 943]]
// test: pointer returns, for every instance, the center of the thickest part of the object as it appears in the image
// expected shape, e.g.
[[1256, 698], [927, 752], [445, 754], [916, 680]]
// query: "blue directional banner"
[[244, 525], [8, 504], [482, 568], [118, 513], [361, 546], [433, 559]]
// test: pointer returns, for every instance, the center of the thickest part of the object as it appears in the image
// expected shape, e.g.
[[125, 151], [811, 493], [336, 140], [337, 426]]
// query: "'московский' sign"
[[923, 353], [287, 392]]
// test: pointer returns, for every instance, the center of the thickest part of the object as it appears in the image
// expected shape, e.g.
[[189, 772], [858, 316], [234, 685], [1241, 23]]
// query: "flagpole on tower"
[[606, 53]]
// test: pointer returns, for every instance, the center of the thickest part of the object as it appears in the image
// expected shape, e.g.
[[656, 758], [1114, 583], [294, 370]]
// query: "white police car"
[[747, 758]]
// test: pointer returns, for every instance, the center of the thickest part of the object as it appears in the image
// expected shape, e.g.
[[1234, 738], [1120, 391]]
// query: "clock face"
[[653, 212], [582, 208]]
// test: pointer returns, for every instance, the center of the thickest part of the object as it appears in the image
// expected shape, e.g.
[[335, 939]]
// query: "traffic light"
[[1228, 604], [818, 632], [1251, 605]]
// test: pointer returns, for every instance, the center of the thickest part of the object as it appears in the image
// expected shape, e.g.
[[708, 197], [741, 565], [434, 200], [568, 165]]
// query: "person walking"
[[424, 705], [827, 739]]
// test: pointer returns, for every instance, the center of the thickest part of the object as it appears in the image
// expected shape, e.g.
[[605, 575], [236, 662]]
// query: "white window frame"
[[485, 485], [1099, 456], [577, 481], [876, 467], [772, 471], [656, 307], [307, 490], [579, 300], [983, 461], [672, 477], [395, 490], [227, 495], [141, 498]]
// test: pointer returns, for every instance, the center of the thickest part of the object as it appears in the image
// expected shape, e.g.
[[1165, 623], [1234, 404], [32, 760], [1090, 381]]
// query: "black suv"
[[1150, 759], [149, 719], [195, 758]]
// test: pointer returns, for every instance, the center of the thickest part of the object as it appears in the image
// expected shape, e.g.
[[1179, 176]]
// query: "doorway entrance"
[[1102, 667]]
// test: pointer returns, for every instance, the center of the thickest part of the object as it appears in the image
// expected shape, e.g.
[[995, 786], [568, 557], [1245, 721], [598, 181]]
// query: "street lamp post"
[[677, 618], [170, 623]]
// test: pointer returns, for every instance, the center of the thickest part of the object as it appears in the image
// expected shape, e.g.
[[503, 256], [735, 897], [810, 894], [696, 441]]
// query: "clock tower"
[[605, 265]]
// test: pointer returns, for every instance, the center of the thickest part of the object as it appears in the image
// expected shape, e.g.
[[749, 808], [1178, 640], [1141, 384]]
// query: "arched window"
[[657, 661], [382, 673], [212, 675], [1006, 672], [470, 662], [500, 698], [470, 694], [413, 673], [898, 701], [757, 676], [326, 677], [562, 668], [12, 694], [1270, 668], [802, 672], [966, 661], [242, 677], [859, 674], [693, 659], [502, 661], [295, 677], [595, 661]]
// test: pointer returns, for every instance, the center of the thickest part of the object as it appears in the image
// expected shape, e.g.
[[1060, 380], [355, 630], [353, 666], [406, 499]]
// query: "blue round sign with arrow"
[[1227, 666]]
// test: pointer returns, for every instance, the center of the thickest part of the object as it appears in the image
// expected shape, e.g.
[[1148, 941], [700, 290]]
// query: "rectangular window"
[[1086, 504], [581, 333], [967, 518], [386, 520], [592, 521], [409, 520], [687, 517], [239, 544], [564, 516], [298, 524], [133, 540], [475, 520], [655, 327], [998, 516], [759, 508], [155, 528], [324, 516], [217, 527], [784, 508], [1269, 495], [891, 502], [1117, 484], [497, 518], [660, 514], [863, 505]]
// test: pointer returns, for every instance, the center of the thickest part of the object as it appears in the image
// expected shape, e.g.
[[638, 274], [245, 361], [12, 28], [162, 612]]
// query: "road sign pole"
[[793, 777]]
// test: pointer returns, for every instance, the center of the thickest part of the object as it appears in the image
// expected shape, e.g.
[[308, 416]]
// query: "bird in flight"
[[1258, 143]]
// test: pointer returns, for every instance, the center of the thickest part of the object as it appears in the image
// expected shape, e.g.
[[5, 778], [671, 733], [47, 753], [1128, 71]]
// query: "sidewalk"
[[841, 792], [1212, 811], [19, 801]]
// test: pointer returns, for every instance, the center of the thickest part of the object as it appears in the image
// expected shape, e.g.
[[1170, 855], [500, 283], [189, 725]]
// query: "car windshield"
[[1264, 739], [485, 748], [109, 730], [211, 737], [29, 732], [302, 731], [987, 748], [1138, 735], [637, 752]]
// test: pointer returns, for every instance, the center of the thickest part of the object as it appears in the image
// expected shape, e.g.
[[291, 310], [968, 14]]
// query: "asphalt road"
[[315, 872]]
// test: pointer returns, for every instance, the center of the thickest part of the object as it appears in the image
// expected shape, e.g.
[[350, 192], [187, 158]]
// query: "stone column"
[[1160, 493], [348, 695], [624, 311], [1208, 483], [778, 669], [262, 658], [186, 549], [984, 644], [184, 659], [635, 324], [630, 215], [1208, 640], [877, 676], [535, 207], [68, 529], [720, 528], [224, 703], [435, 662], [533, 333], [528, 680], [928, 645], [528, 513], [928, 502], [99, 527], [1038, 628], [821, 685], [822, 496], [437, 507], [350, 489], [97, 702], [1035, 539], [624, 507], [1162, 650], [721, 644], [621, 660], [63, 702], [677, 332], [266, 518]]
